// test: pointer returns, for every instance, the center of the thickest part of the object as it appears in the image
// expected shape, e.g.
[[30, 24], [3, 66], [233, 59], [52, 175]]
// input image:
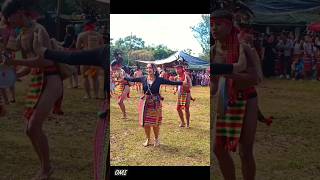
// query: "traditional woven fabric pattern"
[[228, 126], [150, 110], [34, 93]]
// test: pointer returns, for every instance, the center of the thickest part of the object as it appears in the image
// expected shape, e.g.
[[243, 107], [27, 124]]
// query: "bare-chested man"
[[236, 99], [46, 83], [137, 74], [90, 39]]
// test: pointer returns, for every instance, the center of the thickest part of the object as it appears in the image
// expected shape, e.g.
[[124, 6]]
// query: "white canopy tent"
[[193, 62]]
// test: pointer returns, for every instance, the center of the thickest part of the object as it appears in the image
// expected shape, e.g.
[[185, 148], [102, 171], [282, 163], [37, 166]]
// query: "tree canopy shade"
[[193, 62]]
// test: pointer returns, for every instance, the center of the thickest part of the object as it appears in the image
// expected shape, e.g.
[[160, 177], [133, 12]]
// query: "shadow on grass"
[[168, 149]]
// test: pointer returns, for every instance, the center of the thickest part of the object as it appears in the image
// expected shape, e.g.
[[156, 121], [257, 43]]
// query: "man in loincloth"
[[236, 99], [184, 95], [90, 39]]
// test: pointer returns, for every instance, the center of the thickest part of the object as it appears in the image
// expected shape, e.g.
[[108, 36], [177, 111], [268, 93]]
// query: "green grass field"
[[70, 139], [289, 149], [179, 146]]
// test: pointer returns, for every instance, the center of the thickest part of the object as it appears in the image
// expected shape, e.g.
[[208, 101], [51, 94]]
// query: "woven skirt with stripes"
[[183, 100], [36, 87], [118, 90], [150, 110], [35, 90], [307, 62], [229, 125]]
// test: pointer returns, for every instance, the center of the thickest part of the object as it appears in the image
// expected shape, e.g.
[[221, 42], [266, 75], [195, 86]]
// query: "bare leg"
[[122, 107], [156, 130], [95, 83], [86, 82], [147, 130], [187, 116], [13, 94], [86, 85], [34, 130], [187, 110], [182, 123], [226, 163], [121, 99], [247, 140]]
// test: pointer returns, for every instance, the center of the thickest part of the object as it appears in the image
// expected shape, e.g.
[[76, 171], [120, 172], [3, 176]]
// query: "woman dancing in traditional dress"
[[150, 108], [46, 82]]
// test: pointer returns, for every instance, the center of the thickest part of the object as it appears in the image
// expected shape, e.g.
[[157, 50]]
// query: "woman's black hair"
[[10, 7], [154, 67]]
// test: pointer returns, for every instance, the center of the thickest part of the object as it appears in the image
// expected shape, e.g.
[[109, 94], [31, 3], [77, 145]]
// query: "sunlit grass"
[[70, 139], [180, 146], [289, 149]]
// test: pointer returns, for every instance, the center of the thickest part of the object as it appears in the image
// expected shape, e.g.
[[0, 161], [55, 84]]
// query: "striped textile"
[[150, 110], [229, 125], [183, 100], [183, 94], [34, 93], [118, 90]]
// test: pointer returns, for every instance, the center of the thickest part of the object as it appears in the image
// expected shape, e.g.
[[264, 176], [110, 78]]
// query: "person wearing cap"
[[90, 39], [184, 95], [150, 106], [236, 99]]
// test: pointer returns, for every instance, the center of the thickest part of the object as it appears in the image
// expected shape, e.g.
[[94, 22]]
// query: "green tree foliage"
[[143, 54], [161, 51], [202, 34]]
